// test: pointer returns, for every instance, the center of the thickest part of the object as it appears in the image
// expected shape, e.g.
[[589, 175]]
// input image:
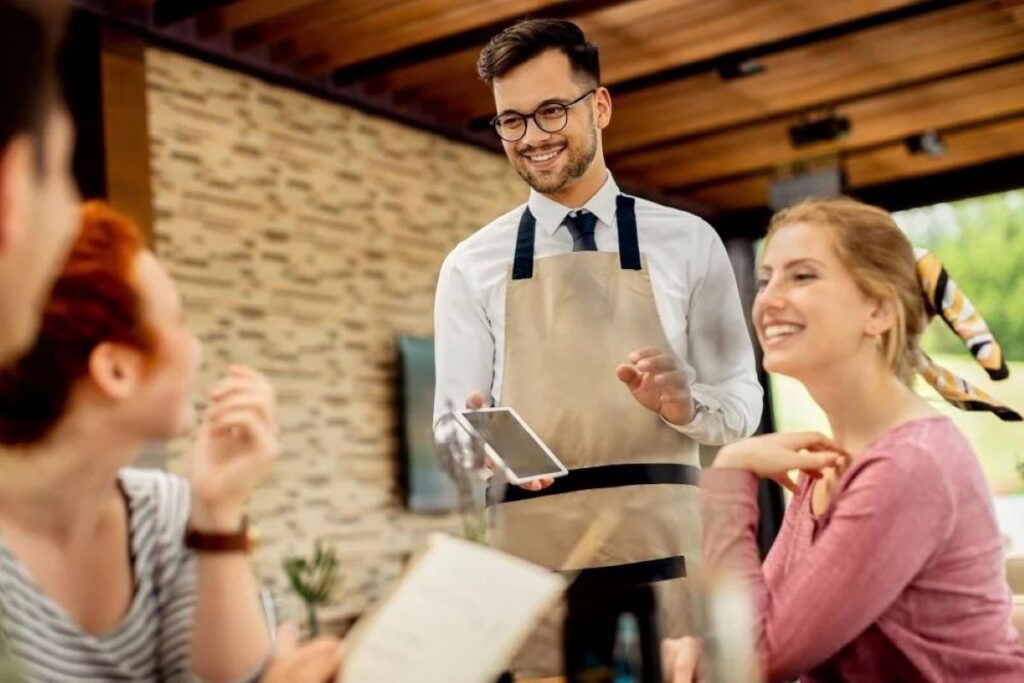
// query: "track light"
[[928, 143], [823, 128], [740, 68]]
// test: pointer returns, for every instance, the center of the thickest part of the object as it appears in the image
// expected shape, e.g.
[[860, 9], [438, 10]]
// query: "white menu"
[[459, 615]]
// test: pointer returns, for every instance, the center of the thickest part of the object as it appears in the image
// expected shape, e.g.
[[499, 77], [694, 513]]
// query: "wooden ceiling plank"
[[167, 12], [747, 27], [702, 104], [290, 24], [885, 45], [395, 28], [875, 120], [415, 49], [890, 163], [964, 148], [247, 13]]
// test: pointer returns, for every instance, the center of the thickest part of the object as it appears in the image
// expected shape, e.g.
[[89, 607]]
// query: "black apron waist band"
[[634, 573], [606, 477]]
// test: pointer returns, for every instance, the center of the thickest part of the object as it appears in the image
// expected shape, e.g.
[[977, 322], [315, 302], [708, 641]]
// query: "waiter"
[[612, 324]]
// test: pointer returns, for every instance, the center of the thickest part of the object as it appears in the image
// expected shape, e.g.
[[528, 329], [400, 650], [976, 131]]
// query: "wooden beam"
[[248, 13], [167, 12], [891, 163], [288, 25], [966, 147], [875, 120], [126, 127], [1001, 175], [869, 63], [392, 30], [456, 42], [777, 27]]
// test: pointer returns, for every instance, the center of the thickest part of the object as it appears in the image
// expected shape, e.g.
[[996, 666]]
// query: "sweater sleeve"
[[885, 524]]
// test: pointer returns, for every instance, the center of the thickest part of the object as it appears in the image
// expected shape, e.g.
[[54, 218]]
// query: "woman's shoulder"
[[924, 454], [929, 439], [156, 484], [164, 492]]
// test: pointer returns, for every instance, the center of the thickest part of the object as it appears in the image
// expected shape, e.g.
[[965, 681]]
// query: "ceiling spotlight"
[[928, 143], [739, 68], [822, 128]]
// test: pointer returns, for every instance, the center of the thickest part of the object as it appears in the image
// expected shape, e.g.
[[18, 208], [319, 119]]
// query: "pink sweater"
[[900, 579]]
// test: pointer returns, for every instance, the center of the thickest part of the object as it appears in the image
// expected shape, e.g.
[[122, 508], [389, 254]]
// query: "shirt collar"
[[550, 214]]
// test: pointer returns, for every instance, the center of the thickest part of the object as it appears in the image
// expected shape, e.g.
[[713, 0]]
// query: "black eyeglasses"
[[550, 118]]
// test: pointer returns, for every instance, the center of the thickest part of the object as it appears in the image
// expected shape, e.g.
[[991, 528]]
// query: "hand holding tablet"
[[512, 446]]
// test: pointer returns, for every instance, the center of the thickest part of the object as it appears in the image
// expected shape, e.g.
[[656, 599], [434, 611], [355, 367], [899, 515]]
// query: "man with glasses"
[[612, 324]]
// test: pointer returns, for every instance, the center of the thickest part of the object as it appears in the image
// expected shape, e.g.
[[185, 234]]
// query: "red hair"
[[94, 300]]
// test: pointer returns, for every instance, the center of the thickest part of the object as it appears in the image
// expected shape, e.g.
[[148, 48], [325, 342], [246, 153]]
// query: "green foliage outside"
[[981, 242]]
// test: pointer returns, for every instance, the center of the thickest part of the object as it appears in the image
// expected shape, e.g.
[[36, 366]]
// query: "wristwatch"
[[244, 540]]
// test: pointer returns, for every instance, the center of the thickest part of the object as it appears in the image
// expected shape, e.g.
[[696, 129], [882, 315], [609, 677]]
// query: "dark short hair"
[[528, 38], [30, 34]]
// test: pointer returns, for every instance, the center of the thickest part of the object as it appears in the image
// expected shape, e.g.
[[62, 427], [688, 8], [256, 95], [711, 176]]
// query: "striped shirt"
[[151, 642]]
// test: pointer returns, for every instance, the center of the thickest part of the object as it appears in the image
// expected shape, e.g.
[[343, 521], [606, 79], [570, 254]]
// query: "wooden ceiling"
[[682, 130]]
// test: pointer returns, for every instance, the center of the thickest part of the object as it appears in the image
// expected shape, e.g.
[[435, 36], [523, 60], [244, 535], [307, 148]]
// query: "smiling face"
[[552, 162], [809, 313]]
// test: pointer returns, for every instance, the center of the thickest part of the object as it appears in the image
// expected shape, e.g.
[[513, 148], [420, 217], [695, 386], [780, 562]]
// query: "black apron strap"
[[629, 243], [606, 477], [632, 574], [522, 266]]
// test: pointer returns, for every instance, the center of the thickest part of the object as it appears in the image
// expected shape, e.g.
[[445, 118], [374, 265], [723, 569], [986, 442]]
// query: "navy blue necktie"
[[581, 227]]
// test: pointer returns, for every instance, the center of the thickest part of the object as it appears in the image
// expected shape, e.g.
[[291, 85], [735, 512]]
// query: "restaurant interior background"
[[303, 166]]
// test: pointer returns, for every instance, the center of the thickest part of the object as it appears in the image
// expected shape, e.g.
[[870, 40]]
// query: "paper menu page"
[[459, 615]]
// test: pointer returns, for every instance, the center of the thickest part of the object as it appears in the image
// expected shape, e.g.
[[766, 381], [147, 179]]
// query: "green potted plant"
[[314, 580]]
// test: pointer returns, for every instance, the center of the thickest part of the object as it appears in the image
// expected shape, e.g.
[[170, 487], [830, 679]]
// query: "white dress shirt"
[[694, 291]]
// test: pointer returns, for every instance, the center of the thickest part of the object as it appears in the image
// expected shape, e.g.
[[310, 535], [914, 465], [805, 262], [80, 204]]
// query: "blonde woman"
[[889, 566]]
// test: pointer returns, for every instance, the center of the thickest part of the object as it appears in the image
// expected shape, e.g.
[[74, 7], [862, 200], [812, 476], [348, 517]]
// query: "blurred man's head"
[[551, 108], [38, 199]]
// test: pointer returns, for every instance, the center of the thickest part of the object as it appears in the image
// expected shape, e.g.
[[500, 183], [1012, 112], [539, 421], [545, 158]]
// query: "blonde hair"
[[881, 260]]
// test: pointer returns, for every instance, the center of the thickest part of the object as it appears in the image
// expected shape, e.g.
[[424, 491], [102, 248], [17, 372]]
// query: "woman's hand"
[[233, 453], [680, 659], [773, 456], [316, 661]]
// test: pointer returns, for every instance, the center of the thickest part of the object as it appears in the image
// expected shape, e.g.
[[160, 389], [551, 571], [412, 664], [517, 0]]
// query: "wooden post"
[[126, 126]]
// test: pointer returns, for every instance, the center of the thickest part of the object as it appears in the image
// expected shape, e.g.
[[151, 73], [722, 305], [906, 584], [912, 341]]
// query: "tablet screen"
[[517, 447]]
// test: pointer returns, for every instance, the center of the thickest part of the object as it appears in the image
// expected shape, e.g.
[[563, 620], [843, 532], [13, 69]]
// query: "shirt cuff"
[[696, 428]]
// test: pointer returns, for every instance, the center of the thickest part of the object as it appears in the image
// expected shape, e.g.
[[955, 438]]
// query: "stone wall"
[[305, 236]]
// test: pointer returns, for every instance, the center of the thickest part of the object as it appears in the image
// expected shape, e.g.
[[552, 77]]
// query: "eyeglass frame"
[[493, 123]]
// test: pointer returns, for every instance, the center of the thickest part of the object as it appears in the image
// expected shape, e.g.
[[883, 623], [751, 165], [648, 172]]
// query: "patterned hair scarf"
[[944, 298]]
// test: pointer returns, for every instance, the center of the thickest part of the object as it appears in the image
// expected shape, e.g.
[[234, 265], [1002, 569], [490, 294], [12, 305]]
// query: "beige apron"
[[570, 321]]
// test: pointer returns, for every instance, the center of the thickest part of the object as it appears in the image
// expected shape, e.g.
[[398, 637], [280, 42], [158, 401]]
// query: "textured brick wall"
[[304, 237]]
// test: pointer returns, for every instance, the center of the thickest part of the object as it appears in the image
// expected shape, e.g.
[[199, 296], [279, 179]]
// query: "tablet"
[[511, 444]]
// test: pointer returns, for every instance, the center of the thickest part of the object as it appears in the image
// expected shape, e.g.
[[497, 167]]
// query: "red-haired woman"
[[96, 581]]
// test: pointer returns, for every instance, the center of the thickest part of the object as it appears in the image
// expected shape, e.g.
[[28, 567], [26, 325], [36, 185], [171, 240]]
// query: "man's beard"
[[577, 163]]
